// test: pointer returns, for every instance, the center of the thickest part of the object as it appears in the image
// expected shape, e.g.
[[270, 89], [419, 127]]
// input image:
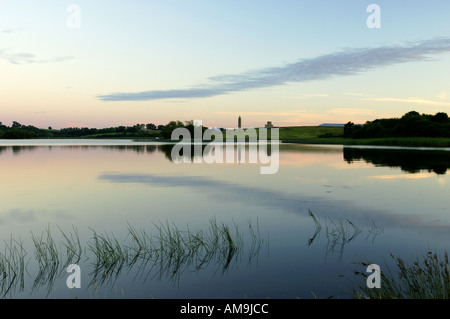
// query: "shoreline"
[[414, 142], [391, 141]]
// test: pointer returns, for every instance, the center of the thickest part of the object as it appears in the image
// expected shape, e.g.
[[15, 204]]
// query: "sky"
[[107, 63]]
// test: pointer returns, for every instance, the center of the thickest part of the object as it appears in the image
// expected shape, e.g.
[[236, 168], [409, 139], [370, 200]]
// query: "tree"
[[16, 124], [440, 117], [411, 124], [168, 129], [136, 128]]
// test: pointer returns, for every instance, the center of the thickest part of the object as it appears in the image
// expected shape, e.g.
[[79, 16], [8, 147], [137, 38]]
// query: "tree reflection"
[[411, 161]]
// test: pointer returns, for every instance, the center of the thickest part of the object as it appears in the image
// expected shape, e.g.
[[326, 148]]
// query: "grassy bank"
[[309, 132], [332, 135]]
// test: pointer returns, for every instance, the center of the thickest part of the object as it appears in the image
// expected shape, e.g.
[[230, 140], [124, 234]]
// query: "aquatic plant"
[[72, 245], [46, 250], [12, 266], [167, 250], [427, 277], [340, 233]]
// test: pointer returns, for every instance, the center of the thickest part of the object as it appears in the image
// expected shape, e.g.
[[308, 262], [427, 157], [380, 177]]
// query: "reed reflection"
[[164, 253]]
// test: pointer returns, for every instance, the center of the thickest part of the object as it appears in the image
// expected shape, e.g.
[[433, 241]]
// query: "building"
[[269, 124]]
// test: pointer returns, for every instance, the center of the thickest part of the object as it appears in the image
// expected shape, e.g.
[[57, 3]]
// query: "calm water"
[[369, 202]]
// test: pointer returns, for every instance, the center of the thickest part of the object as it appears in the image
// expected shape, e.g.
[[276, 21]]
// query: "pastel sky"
[[107, 63]]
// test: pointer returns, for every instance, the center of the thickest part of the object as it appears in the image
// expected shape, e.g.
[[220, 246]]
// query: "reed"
[[257, 241], [168, 250], [109, 254], [165, 250], [427, 277], [72, 245], [12, 266], [46, 250], [340, 233]]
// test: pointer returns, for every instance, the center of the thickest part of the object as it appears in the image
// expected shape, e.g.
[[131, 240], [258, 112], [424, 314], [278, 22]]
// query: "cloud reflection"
[[22, 216], [291, 203]]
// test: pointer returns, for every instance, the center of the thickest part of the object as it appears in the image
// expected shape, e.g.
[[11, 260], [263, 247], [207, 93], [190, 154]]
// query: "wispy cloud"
[[281, 113], [352, 112], [442, 96], [359, 94], [415, 100], [27, 58], [307, 96], [12, 30], [409, 100], [343, 63]]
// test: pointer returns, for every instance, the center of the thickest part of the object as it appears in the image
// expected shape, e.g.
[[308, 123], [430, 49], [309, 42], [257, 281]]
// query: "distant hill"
[[332, 124]]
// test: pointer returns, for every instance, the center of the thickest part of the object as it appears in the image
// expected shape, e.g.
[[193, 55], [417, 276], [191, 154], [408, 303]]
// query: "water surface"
[[369, 202]]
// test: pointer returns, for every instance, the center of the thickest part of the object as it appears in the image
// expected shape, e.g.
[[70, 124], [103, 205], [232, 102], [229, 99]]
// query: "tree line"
[[150, 130], [19, 131], [411, 124]]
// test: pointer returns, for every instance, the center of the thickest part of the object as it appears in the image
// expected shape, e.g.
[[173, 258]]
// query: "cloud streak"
[[411, 100], [12, 30], [27, 58], [344, 63]]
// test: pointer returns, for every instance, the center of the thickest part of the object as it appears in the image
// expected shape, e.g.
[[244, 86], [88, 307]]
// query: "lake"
[[139, 225]]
